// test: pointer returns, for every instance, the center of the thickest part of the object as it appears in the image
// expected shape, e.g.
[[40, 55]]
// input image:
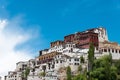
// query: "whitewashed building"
[[53, 61]]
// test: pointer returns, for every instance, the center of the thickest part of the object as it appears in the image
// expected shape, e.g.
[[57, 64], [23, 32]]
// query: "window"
[[113, 50], [69, 59], [75, 59], [105, 50], [76, 64], [73, 46], [66, 45], [96, 48], [116, 51], [108, 50], [57, 61], [68, 50], [53, 66], [102, 50], [71, 50], [60, 61]]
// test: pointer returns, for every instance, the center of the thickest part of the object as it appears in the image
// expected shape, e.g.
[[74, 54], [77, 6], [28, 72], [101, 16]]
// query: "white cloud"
[[11, 35]]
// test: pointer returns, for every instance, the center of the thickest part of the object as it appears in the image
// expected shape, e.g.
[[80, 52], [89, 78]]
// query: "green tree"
[[44, 68], [69, 75], [42, 74], [26, 73], [98, 73], [82, 60], [117, 64], [80, 77], [113, 73], [90, 57], [79, 68], [103, 69]]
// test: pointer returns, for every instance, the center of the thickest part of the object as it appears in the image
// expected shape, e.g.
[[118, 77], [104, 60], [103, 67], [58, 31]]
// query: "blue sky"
[[27, 26], [57, 18], [60, 17]]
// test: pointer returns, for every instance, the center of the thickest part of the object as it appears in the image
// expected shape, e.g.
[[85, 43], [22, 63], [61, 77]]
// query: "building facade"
[[52, 62]]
